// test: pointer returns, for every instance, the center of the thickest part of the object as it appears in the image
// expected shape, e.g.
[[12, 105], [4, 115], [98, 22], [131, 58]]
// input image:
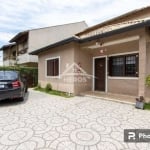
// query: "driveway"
[[44, 122]]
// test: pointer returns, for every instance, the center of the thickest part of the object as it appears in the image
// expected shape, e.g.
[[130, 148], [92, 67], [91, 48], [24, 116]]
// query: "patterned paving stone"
[[45, 122], [16, 136], [85, 137]]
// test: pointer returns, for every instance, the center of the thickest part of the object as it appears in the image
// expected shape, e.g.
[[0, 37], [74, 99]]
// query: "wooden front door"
[[100, 74]]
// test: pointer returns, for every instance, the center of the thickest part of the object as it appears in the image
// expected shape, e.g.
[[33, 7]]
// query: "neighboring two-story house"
[[9, 54], [27, 41], [113, 57]]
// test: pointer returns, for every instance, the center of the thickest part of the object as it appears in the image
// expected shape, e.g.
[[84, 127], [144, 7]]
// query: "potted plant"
[[140, 102]]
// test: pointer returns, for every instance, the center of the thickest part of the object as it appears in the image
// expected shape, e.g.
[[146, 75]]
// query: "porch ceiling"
[[100, 44], [126, 47]]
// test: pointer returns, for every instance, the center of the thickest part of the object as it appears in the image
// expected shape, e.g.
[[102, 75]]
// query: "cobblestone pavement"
[[45, 122]]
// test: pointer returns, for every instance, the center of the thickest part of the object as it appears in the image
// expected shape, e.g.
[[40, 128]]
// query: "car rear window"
[[8, 75]]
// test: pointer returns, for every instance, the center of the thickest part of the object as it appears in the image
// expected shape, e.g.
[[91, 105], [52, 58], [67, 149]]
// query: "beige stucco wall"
[[84, 59], [69, 54], [123, 85], [66, 54], [74, 52], [148, 68]]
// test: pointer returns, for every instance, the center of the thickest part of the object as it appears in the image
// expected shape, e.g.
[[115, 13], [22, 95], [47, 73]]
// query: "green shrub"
[[48, 87], [39, 86], [148, 80]]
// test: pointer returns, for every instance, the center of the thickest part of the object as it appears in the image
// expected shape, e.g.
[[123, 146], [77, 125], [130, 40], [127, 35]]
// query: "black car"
[[12, 85]]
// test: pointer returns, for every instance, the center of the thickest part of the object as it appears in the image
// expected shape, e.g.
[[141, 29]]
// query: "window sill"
[[123, 78], [53, 77]]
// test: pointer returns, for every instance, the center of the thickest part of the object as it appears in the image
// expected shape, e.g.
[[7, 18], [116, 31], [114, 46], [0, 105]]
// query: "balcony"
[[9, 62], [26, 58]]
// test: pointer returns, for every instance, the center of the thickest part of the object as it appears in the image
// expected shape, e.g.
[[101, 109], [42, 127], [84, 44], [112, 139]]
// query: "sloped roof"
[[7, 46], [20, 34], [118, 30], [105, 23], [112, 27], [114, 30]]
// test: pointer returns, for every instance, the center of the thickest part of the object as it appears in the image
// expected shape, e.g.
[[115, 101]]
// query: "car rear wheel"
[[22, 97], [26, 89]]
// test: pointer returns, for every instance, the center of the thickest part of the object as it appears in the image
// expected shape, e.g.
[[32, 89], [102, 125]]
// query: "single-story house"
[[113, 56]]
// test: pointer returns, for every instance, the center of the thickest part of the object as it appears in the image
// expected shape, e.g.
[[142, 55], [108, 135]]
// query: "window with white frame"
[[52, 67]]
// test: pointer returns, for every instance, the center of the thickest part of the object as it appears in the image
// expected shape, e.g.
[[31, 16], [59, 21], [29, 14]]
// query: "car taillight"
[[16, 84]]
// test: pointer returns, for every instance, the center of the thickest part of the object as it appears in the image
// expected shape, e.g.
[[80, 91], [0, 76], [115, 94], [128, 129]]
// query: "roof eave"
[[112, 19], [8, 45], [117, 31], [18, 36]]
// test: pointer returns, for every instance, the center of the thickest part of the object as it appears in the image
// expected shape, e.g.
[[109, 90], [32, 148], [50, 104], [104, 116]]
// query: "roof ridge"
[[59, 25], [129, 21], [112, 19], [112, 27]]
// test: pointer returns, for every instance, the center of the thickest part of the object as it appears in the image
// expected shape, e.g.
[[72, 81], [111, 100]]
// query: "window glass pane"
[[50, 67], [56, 67], [8, 75], [117, 66], [53, 67], [126, 65], [130, 66]]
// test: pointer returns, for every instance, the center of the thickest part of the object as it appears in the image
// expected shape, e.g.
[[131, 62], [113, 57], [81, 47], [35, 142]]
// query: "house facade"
[[112, 57], [27, 41]]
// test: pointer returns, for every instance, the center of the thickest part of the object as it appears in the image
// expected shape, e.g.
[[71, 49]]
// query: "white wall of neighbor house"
[[46, 36], [1, 58], [25, 58]]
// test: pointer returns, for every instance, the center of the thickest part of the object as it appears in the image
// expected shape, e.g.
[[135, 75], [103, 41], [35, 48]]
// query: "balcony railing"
[[26, 58], [9, 58], [9, 62]]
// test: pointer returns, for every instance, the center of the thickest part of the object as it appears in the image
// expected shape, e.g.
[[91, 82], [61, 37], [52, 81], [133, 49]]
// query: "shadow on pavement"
[[11, 102]]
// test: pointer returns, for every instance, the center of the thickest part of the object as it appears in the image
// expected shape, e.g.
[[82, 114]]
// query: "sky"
[[20, 15]]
